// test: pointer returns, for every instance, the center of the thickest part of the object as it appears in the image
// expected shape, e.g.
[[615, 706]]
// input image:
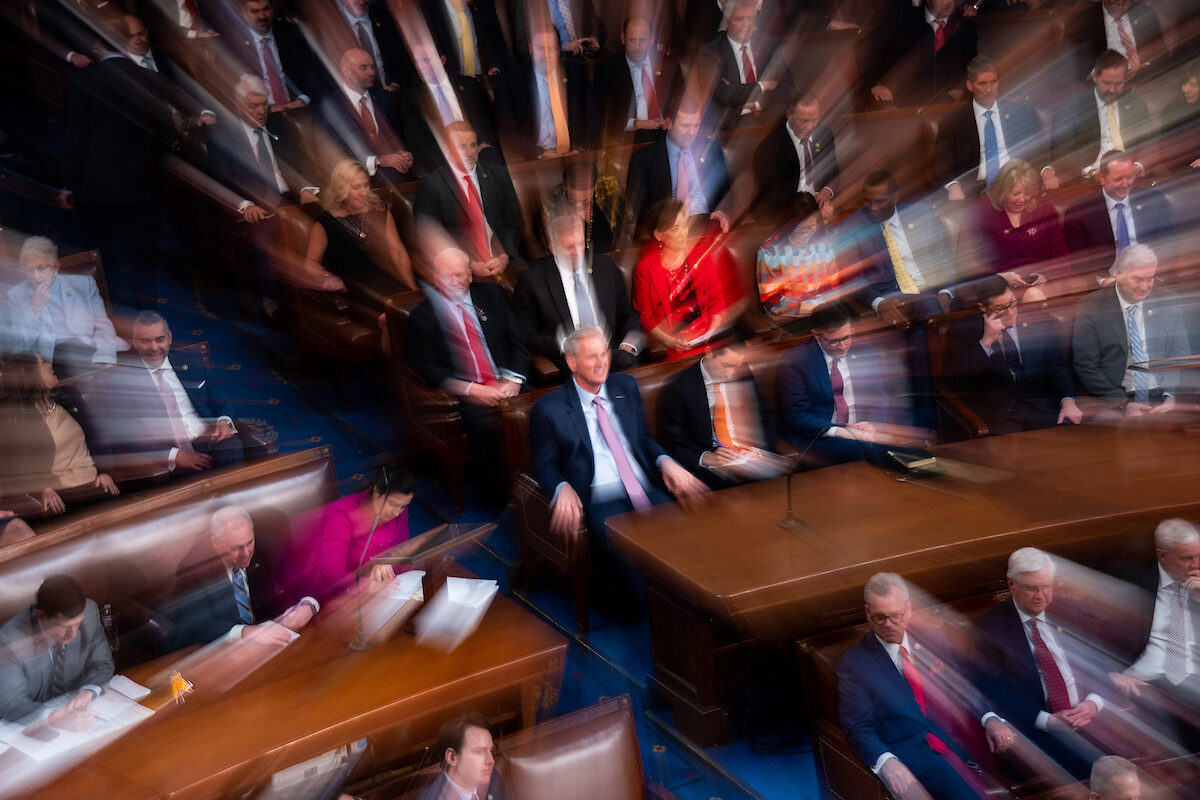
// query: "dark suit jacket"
[[988, 384], [204, 608], [1089, 232], [517, 109], [542, 312], [904, 59], [25, 673], [341, 125], [300, 65], [614, 88], [1100, 344], [562, 448], [1147, 36], [956, 151], [587, 23], [440, 199], [429, 348], [719, 66], [489, 40], [688, 425], [421, 122], [1075, 135], [777, 166], [649, 178], [234, 164], [862, 252]]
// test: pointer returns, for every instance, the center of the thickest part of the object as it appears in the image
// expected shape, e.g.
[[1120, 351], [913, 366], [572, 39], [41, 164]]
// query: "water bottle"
[[110, 627]]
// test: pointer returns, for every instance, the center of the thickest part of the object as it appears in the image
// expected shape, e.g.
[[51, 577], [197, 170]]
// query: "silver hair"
[[560, 222], [1136, 255], [1029, 559], [570, 345], [455, 253], [1105, 770], [39, 246], [223, 517], [148, 318], [248, 85], [881, 585], [1173, 532]]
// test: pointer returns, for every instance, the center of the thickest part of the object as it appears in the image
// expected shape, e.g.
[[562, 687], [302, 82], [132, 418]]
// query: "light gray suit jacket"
[[74, 311]]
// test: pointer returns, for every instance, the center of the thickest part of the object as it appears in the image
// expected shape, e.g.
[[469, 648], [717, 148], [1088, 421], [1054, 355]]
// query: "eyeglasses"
[[998, 310], [895, 619], [835, 342], [1034, 587]]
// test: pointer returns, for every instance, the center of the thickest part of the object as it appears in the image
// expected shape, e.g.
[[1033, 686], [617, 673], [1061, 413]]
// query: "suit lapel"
[[558, 295], [575, 414], [895, 679]]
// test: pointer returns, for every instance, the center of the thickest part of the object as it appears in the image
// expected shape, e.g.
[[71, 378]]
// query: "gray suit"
[[74, 311], [26, 668]]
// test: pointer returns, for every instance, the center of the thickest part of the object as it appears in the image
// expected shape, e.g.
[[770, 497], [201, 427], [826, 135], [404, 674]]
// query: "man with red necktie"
[[747, 87], [639, 87], [920, 54], [894, 707]]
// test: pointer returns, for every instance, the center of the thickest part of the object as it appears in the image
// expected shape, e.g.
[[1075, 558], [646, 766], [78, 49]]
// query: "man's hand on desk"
[[76, 715], [190, 459], [681, 483], [1166, 405], [273, 635], [297, 617], [567, 512], [1079, 716]]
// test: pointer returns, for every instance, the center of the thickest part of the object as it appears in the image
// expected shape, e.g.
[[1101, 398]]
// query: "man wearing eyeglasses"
[[895, 706], [1033, 671], [1013, 375]]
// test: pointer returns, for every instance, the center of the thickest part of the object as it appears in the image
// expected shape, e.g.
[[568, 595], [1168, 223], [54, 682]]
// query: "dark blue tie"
[[991, 148], [1122, 228]]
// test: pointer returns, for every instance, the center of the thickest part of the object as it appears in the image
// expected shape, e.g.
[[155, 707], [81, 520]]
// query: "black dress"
[[355, 247]]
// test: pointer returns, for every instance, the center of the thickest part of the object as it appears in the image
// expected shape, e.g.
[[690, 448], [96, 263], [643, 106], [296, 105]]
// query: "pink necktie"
[[681, 179], [278, 93], [174, 415], [637, 495]]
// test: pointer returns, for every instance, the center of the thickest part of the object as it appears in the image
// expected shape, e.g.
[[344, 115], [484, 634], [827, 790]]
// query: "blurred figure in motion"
[[229, 590], [798, 156], [358, 527], [468, 766], [47, 308], [159, 411], [919, 53], [54, 647], [1125, 324], [13, 529], [1012, 375], [577, 194], [737, 68], [1162, 655], [638, 87], [1114, 778], [894, 707], [1036, 676], [43, 449], [797, 267]]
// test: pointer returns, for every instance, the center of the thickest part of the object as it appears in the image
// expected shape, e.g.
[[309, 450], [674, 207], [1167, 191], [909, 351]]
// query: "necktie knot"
[[1119, 206], [988, 114]]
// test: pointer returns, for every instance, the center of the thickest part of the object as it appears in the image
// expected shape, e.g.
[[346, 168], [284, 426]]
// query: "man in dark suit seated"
[[1097, 120], [975, 140], [595, 462], [474, 201], [467, 33], [543, 108], [571, 289], [716, 421], [798, 155], [1014, 376], [1125, 324], [468, 766], [1161, 656], [638, 87], [580, 30], [1101, 225], [920, 53], [748, 86], [1038, 677], [654, 171], [54, 647], [577, 195], [275, 51], [1132, 29], [463, 338], [833, 404], [896, 710], [437, 98], [230, 591]]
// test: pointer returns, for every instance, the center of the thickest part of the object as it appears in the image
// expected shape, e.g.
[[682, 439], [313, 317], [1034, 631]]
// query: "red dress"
[[687, 297]]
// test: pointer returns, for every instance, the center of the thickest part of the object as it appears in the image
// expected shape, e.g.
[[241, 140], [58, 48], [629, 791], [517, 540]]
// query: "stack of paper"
[[455, 612]]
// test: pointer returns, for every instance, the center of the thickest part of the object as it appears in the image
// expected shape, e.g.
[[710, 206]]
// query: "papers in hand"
[[753, 464], [387, 609], [455, 612], [114, 711]]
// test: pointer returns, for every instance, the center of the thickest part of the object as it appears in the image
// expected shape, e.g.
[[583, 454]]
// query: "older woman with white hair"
[[47, 308]]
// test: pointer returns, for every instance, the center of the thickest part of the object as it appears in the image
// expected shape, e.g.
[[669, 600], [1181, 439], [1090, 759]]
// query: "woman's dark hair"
[[662, 215], [802, 206], [393, 477], [23, 386]]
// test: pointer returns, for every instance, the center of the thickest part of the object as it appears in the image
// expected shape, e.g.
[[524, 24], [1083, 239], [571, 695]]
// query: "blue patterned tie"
[[1137, 354], [586, 318], [991, 148], [1122, 228], [241, 595]]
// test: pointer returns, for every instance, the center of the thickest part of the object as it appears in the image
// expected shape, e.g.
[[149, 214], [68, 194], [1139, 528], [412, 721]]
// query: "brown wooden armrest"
[[544, 370], [332, 301], [961, 413]]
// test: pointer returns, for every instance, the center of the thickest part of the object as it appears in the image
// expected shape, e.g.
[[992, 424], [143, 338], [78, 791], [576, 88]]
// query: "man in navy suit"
[[231, 590], [966, 157], [891, 701], [1013, 376], [160, 412], [1035, 672], [592, 451], [1099, 226], [488, 51]]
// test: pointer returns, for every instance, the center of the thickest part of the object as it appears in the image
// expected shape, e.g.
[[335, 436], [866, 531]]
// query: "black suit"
[[777, 168], [905, 61], [649, 177], [1007, 402], [587, 23], [542, 312], [688, 424], [340, 126], [1075, 135], [956, 151], [1088, 228], [205, 607], [421, 122], [234, 164], [1147, 37], [614, 88], [301, 68], [489, 39], [718, 65], [517, 110], [441, 199]]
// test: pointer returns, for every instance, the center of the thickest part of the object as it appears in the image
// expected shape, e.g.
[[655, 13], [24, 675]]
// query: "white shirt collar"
[[1163, 578], [980, 110], [1041, 618]]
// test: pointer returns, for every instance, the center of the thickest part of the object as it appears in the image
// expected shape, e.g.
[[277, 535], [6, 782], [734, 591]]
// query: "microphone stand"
[[361, 643]]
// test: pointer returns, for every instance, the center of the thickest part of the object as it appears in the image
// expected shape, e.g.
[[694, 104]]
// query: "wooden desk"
[[727, 574], [316, 696]]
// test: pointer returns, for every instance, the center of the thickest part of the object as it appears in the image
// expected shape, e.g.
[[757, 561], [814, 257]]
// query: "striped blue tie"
[[1137, 354], [241, 594]]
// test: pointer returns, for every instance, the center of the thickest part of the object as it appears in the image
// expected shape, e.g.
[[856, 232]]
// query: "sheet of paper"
[[114, 712], [121, 684], [455, 612]]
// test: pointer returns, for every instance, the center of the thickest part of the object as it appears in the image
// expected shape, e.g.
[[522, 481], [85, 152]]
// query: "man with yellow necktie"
[[467, 34]]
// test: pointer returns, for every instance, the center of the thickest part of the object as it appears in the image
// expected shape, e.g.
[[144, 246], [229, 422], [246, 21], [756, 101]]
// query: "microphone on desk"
[[361, 643], [789, 521]]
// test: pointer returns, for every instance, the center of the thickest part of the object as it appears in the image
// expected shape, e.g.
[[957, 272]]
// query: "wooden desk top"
[[1062, 489], [313, 697]]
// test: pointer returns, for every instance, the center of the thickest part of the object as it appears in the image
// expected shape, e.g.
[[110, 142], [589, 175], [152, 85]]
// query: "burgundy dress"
[[997, 246]]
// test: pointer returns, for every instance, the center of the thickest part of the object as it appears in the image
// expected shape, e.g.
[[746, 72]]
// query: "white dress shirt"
[[376, 53], [847, 394], [980, 125], [371, 162], [1112, 31], [567, 276], [1106, 140], [258, 39], [1140, 317], [1048, 632], [741, 68], [906, 253], [1153, 661], [639, 109], [192, 422], [606, 480], [252, 136], [1111, 204], [804, 184], [547, 136], [459, 175]]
